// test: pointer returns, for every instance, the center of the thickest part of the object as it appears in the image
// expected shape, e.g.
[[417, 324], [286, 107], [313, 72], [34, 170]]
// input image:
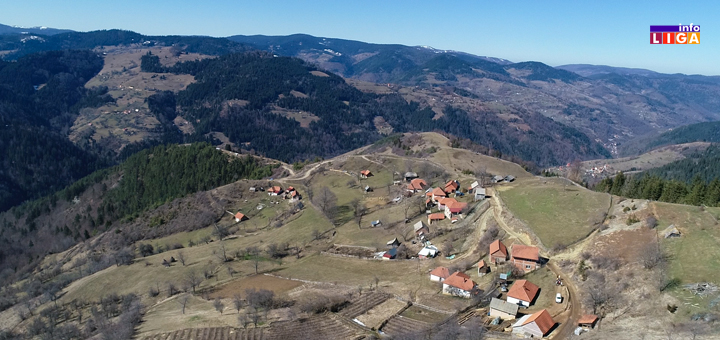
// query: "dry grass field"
[[652, 159]]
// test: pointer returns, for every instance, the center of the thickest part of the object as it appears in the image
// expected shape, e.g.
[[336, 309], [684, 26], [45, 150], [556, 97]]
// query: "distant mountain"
[[612, 105], [5, 29], [699, 132], [349, 58], [587, 70], [21, 45]]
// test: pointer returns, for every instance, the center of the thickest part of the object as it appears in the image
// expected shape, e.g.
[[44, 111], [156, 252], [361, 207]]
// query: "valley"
[[320, 263]]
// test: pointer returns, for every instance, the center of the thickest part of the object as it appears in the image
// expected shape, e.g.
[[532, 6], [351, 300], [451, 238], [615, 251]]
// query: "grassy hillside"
[[556, 210]]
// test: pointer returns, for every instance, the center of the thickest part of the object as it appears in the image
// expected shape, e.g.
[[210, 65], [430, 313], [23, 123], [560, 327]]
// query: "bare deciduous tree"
[[181, 257], [183, 300], [326, 201], [218, 305], [651, 255], [359, 211], [193, 280], [237, 302]]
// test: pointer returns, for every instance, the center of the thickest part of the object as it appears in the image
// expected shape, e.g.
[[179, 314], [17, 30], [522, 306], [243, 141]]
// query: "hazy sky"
[[612, 33]]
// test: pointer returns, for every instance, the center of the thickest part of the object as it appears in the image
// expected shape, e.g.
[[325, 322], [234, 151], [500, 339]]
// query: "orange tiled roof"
[[525, 252], [460, 280], [441, 272], [523, 290], [542, 319], [498, 246]]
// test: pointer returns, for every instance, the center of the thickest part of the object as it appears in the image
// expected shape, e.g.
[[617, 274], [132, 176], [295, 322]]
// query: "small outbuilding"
[[394, 243], [483, 268], [498, 252], [671, 231], [588, 321], [240, 217], [365, 174], [503, 309]]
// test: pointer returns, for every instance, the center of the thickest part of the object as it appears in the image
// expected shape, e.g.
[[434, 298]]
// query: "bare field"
[[653, 159], [374, 317], [277, 285]]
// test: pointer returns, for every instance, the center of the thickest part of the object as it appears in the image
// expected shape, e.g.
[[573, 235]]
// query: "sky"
[[615, 33]]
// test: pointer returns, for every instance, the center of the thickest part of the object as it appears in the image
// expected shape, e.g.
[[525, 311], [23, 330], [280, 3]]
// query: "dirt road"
[[566, 319]]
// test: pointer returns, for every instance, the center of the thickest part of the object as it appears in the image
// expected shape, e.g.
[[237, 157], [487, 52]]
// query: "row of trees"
[[654, 187]]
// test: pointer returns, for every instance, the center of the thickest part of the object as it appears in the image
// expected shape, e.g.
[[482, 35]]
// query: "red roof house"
[[240, 217], [522, 292], [498, 252], [439, 274], [525, 258], [459, 284], [537, 325]]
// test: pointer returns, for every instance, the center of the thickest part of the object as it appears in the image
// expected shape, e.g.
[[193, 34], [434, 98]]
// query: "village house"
[[459, 284], [534, 325], [437, 194], [275, 190], [455, 209], [522, 293], [498, 252], [365, 174], [452, 186], [483, 268], [435, 217], [439, 274], [240, 217], [525, 258], [416, 185], [444, 202], [502, 309]]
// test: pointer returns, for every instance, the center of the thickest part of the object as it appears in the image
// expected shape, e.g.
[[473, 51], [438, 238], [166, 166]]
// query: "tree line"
[[653, 187]]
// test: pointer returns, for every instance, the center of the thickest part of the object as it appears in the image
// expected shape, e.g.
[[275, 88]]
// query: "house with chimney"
[[498, 252], [459, 284], [536, 325], [523, 293]]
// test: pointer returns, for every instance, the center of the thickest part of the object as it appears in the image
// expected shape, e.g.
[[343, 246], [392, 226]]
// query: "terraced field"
[[402, 325], [326, 326], [361, 304], [216, 333]]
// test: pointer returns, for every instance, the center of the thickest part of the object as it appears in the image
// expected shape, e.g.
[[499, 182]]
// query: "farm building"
[[240, 217], [420, 229], [390, 254], [525, 258], [587, 321], [522, 293], [498, 179], [483, 268], [439, 274], [534, 325], [498, 252], [365, 174], [459, 284], [509, 178], [410, 176], [480, 194], [427, 252], [394, 243], [503, 309], [473, 186], [435, 217]]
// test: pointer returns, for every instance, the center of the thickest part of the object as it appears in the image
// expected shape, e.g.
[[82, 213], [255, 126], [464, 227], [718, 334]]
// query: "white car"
[[558, 298]]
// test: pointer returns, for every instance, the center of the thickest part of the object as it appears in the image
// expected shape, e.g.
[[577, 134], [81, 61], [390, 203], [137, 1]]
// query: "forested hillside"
[[269, 84], [40, 95], [97, 202], [700, 132], [694, 180]]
